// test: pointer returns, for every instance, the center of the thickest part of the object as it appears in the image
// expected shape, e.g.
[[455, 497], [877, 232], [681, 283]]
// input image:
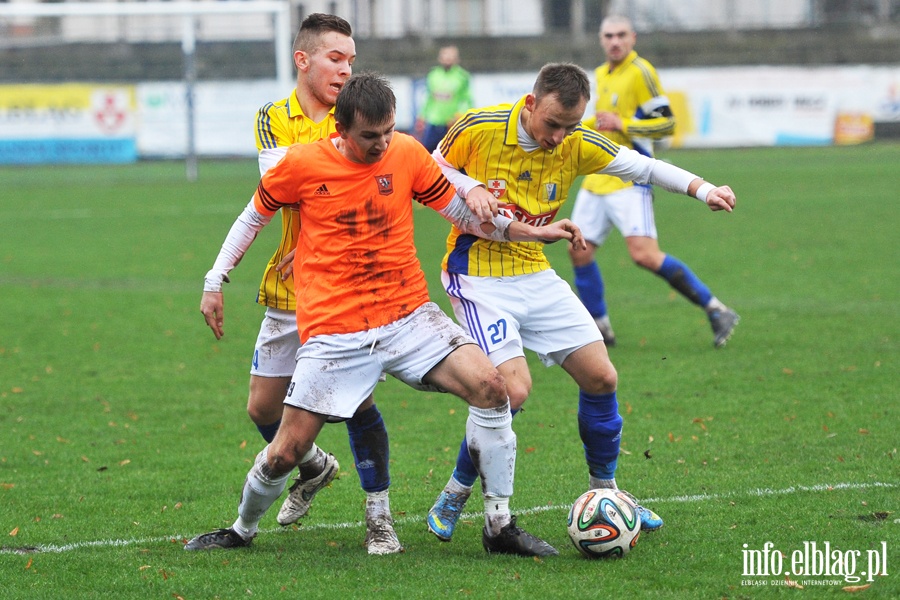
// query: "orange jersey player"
[[363, 306]]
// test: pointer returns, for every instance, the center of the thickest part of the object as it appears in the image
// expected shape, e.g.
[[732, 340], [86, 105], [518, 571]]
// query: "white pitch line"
[[759, 492]]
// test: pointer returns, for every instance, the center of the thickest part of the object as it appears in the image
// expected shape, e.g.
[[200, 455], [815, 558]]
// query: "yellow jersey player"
[[633, 111], [505, 294], [324, 52]]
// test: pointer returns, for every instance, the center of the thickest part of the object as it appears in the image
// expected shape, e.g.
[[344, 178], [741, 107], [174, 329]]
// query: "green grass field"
[[124, 429]]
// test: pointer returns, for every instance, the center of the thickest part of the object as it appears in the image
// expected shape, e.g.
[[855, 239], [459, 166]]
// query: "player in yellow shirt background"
[[505, 293], [324, 52], [632, 110]]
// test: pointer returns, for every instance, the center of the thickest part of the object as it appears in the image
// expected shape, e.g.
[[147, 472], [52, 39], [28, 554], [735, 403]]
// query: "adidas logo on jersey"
[[322, 191], [524, 176]]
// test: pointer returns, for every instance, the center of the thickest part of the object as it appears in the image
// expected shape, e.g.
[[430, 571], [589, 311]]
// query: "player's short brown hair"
[[567, 80], [367, 96], [314, 26]]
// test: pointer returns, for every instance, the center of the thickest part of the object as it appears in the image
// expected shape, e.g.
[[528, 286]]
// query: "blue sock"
[[465, 471], [268, 431], [589, 283], [371, 450], [684, 281], [600, 427]]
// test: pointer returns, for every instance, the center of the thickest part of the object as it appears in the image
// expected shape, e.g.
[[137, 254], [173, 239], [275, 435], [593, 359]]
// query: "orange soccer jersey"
[[355, 267]]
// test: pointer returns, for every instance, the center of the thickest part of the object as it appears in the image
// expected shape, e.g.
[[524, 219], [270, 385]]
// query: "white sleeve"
[[458, 213], [240, 236], [462, 182], [630, 165], [269, 157]]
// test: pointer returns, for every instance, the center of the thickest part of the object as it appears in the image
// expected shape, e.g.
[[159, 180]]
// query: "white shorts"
[[630, 210], [538, 311], [336, 373], [275, 354]]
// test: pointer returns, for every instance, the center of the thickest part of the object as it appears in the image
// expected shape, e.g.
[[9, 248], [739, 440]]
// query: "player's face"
[[550, 122], [617, 40], [328, 66], [365, 142]]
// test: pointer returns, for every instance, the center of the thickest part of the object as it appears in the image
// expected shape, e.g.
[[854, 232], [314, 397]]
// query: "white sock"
[[492, 446], [312, 463], [378, 504], [261, 489], [496, 514], [455, 487], [603, 484], [714, 304]]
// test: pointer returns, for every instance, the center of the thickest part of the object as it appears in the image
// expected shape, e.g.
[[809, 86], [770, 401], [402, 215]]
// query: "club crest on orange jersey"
[[385, 184], [497, 187]]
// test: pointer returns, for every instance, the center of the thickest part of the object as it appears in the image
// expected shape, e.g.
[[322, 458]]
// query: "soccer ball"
[[604, 523]]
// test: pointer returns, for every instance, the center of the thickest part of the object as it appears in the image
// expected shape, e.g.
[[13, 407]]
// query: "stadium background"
[[112, 88]]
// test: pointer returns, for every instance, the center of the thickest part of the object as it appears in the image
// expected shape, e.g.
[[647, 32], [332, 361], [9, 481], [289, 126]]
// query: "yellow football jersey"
[[632, 91], [283, 123], [530, 186]]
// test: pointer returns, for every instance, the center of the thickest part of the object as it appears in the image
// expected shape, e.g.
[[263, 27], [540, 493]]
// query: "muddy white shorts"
[[275, 354], [335, 373], [538, 311]]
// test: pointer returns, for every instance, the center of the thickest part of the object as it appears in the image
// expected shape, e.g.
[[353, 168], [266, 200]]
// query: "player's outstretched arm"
[[629, 165], [564, 229]]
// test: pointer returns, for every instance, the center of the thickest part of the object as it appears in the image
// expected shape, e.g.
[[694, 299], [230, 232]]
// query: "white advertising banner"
[[224, 115], [776, 106], [723, 107]]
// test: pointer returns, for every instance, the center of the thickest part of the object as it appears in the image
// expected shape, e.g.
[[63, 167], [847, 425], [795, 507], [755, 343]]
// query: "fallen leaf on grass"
[[788, 582], [29, 563], [124, 462], [143, 567], [7, 486], [863, 431], [856, 588], [14, 532], [243, 444]]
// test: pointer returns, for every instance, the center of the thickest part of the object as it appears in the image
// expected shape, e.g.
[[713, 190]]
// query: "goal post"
[[111, 22]]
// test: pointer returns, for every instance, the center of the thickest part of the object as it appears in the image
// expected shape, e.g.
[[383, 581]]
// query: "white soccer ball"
[[604, 523]]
